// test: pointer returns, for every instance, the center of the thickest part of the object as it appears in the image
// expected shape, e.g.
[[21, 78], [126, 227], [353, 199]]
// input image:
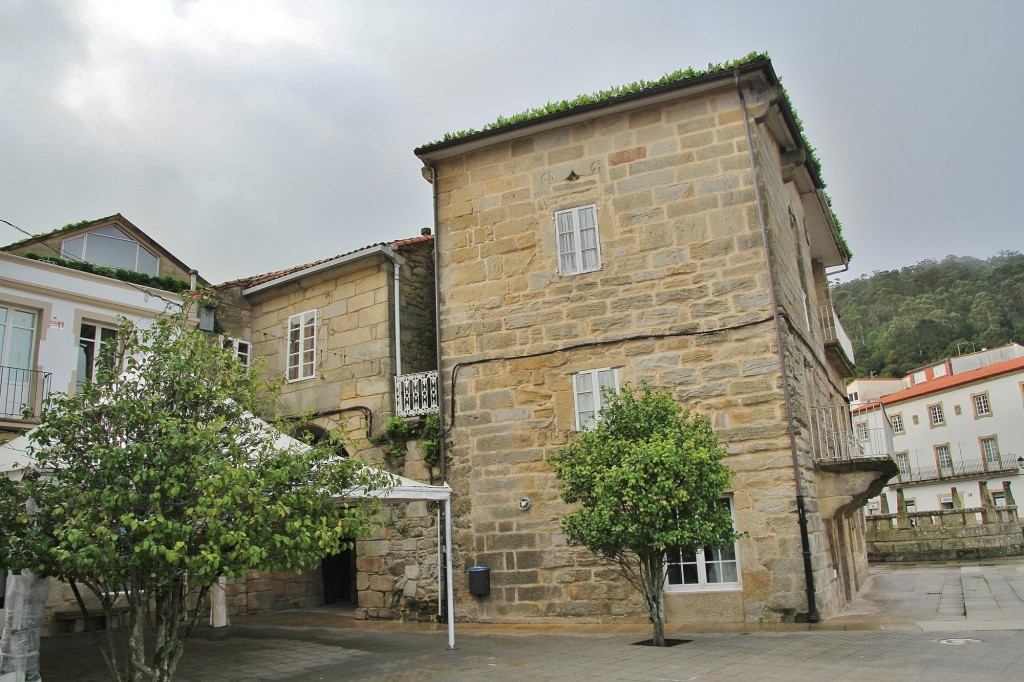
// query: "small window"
[[302, 346], [862, 431], [579, 248], [113, 248], [982, 407], [587, 388], [999, 499], [241, 349], [990, 451], [897, 423], [943, 458], [852, 397], [903, 463], [938, 371], [936, 416], [92, 339], [707, 569]]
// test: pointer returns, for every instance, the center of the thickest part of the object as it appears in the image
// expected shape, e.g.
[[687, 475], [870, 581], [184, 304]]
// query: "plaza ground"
[[948, 621]]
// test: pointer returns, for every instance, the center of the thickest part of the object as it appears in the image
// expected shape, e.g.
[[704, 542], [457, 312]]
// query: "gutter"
[[805, 541], [299, 274]]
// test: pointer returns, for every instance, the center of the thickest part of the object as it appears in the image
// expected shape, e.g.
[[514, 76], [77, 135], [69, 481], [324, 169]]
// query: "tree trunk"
[[653, 571]]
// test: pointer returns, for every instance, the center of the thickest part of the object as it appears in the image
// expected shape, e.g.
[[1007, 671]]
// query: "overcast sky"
[[254, 135]]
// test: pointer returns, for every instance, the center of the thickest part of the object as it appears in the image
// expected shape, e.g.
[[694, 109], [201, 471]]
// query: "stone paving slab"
[[897, 628]]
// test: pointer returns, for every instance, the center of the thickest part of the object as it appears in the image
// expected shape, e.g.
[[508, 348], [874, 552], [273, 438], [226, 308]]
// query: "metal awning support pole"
[[450, 594]]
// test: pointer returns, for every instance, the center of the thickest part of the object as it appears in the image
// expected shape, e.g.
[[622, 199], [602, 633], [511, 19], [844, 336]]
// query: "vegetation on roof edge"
[[164, 283], [678, 76]]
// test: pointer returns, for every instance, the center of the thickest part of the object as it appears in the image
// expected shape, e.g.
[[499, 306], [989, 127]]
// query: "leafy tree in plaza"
[[156, 480], [646, 480]]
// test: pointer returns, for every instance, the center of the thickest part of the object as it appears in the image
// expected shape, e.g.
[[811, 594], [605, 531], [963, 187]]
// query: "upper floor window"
[[990, 451], [18, 381], [897, 423], [579, 249], [706, 569], [240, 347], [113, 248], [903, 463], [982, 407], [936, 416], [862, 430], [944, 459], [92, 339], [587, 387], [302, 346]]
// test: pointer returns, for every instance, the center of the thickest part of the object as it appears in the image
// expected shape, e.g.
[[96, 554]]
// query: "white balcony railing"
[[839, 433], [834, 332], [416, 394]]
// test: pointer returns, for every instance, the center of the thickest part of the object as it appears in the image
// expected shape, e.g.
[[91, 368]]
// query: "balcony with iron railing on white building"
[[416, 394], [21, 395]]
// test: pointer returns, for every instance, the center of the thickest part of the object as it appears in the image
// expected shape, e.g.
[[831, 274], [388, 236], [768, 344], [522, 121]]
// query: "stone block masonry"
[[681, 300]]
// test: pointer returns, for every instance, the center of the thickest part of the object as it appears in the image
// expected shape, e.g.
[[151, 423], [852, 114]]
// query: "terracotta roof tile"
[[955, 380], [270, 276]]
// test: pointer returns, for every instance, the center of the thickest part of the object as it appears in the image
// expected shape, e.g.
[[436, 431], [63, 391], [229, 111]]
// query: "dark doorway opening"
[[339, 571]]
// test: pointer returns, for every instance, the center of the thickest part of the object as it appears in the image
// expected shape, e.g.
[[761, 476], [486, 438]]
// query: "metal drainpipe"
[[399, 262], [442, 465], [445, 525], [805, 540]]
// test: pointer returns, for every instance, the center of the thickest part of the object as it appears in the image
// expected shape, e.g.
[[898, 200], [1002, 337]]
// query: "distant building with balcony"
[[61, 294], [954, 424]]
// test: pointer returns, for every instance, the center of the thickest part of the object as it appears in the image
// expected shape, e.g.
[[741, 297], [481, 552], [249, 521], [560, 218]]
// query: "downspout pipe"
[[399, 262], [805, 540], [442, 463]]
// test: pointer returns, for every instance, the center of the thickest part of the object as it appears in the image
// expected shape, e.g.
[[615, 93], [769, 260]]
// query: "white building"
[[954, 424], [53, 321]]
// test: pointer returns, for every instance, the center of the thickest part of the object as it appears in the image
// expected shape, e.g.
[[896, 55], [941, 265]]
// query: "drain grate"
[[959, 641]]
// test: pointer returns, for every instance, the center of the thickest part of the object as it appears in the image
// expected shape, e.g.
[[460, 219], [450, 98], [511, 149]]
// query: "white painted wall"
[[62, 298], [963, 432]]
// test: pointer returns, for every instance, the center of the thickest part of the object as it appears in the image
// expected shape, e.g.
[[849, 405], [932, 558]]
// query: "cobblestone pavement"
[[918, 622]]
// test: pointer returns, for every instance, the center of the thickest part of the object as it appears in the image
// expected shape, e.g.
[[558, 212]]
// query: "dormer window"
[[113, 248]]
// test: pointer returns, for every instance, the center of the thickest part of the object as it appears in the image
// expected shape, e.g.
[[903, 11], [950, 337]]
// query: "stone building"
[[353, 339], [676, 235]]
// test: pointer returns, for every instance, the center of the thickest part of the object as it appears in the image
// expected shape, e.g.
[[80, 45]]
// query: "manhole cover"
[[959, 641]]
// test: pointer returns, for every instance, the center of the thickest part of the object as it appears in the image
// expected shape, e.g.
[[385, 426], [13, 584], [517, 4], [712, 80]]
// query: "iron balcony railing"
[[416, 394], [957, 468], [839, 433], [22, 392], [834, 332]]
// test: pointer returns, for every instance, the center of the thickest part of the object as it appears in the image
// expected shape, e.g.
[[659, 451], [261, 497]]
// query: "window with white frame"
[[936, 416], [990, 451], [707, 569], [579, 248], [944, 459], [113, 248], [897, 423], [982, 407], [17, 359], [903, 462], [92, 339], [862, 431], [240, 347], [587, 387], [302, 346]]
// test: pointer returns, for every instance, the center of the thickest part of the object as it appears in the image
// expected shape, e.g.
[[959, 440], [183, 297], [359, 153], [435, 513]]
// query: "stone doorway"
[[339, 573]]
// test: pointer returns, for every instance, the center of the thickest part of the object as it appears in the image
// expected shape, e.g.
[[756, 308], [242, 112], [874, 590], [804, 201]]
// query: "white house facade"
[[955, 424], [53, 321]]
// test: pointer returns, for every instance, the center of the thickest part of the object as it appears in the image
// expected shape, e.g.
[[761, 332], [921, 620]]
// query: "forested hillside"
[[900, 320]]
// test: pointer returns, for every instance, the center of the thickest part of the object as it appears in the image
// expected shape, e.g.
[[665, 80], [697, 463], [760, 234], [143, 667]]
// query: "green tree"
[[156, 480], [647, 479]]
